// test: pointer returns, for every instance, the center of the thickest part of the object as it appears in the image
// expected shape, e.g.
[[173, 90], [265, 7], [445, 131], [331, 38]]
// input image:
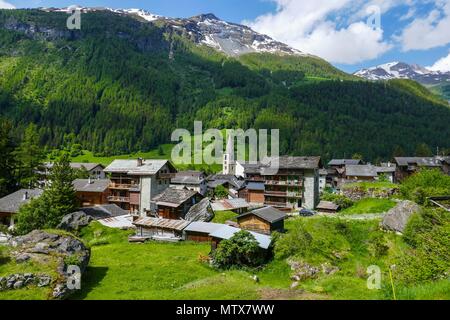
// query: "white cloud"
[[442, 64], [6, 5], [333, 29], [430, 31]]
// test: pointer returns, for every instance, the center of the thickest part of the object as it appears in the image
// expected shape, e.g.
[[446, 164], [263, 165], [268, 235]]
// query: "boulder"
[[75, 221], [44, 247], [397, 218]]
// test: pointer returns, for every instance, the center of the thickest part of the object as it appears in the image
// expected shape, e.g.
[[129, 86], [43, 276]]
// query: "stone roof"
[[132, 167], [251, 168], [221, 179], [12, 202], [418, 161], [361, 171], [91, 185], [268, 214], [104, 211], [287, 162], [174, 197], [343, 162], [230, 204], [201, 211], [188, 177]]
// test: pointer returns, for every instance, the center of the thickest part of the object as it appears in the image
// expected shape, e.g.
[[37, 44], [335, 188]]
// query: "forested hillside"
[[121, 85]]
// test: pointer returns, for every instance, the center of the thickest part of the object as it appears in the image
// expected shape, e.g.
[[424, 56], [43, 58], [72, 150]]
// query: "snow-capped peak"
[[401, 70]]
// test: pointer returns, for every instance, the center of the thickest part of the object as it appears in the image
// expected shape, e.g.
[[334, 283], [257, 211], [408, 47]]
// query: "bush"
[[378, 245], [241, 250], [428, 235], [338, 199], [425, 183]]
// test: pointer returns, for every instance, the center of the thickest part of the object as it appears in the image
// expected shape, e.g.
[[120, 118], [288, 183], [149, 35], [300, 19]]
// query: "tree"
[[240, 250], [7, 183], [357, 156], [160, 150], [29, 156], [58, 199], [220, 192], [422, 150]]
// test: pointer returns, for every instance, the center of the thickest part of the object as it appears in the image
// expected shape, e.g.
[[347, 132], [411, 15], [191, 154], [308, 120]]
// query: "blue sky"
[[413, 31]]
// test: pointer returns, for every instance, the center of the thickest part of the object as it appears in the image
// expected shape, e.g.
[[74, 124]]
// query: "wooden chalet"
[[200, 231], [175, 203], [327, 207], [91, 192], [159, 229], [265, 220]]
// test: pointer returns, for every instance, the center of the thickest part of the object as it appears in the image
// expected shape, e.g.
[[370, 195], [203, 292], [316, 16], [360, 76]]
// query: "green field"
[[224, 216], [370, 205], [120, 270]]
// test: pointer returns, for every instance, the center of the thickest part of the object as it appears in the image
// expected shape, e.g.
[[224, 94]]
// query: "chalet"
[[95, 170], [387, 170], [327, 207], [253, 192], [294, 185], [159, 229], [227, 232], [134, 183], [92, 192], [201, 211], [192, 180], [265, 220], [237, 205], [355, 173], [229, 181], [341, 163], [200, 231], [175, 203], [407, 166], [10, 205]]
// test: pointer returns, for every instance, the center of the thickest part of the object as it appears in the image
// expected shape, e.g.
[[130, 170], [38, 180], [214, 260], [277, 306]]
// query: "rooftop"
[[178, 225], [174, 197], [361, 171], [136, 167], [188, 177], [78, 165], [268, 214], [12, 202], [230, 204], [226, 232], [327, 205], [287, 162], [343, 162], [418, 161], [203, 227], [201, 211], [104, 211], [91, 185]]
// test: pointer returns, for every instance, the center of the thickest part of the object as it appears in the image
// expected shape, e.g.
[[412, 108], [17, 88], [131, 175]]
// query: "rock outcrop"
[[397, 218], [65, 251], [75, 221]]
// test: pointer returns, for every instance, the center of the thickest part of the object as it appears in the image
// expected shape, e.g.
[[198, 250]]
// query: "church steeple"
[[229, 164]]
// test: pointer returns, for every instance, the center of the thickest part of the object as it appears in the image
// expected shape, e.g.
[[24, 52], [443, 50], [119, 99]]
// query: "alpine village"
[[87, 179]]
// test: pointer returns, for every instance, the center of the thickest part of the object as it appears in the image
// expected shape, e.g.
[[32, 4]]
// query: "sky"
[[351, 34]]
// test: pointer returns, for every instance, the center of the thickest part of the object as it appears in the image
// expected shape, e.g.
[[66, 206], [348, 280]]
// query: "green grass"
[[224, 216], [370, 205]]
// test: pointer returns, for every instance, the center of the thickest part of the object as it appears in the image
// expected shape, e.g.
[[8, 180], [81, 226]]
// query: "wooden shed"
[[265, 220], [200, 231], [160, 229], [327, 207]]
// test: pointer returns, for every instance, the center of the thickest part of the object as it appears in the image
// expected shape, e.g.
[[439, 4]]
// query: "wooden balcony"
[[275, 193], [123, 186], [275, 204], [119, 199], [284, 183]]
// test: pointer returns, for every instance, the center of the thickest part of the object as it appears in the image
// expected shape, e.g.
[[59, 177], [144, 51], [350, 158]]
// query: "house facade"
[[295, 185], [191, 180], [92, 192], [264, 220], [10, 204], [406, 166], [134, 183], [175, 203]]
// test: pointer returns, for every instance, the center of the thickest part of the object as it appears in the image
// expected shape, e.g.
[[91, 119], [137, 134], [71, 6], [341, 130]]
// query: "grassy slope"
[[223, 216], [370, 205]]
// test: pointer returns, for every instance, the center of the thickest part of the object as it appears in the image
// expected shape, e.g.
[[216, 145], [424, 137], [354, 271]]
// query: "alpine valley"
[[128, 78]]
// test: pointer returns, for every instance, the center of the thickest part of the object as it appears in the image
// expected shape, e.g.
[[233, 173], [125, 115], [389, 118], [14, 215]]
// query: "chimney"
[[139, 162], [25, 196], [90, 181]]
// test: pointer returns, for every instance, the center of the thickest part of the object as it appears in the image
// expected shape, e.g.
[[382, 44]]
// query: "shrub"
[[425, 183], [241, 250], [377, 245], [428, 235], [338, 199]]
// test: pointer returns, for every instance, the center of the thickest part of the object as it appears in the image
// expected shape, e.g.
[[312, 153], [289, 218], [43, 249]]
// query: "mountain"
[[230, 38], [401, 70], [436, 81], [128, 78]]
